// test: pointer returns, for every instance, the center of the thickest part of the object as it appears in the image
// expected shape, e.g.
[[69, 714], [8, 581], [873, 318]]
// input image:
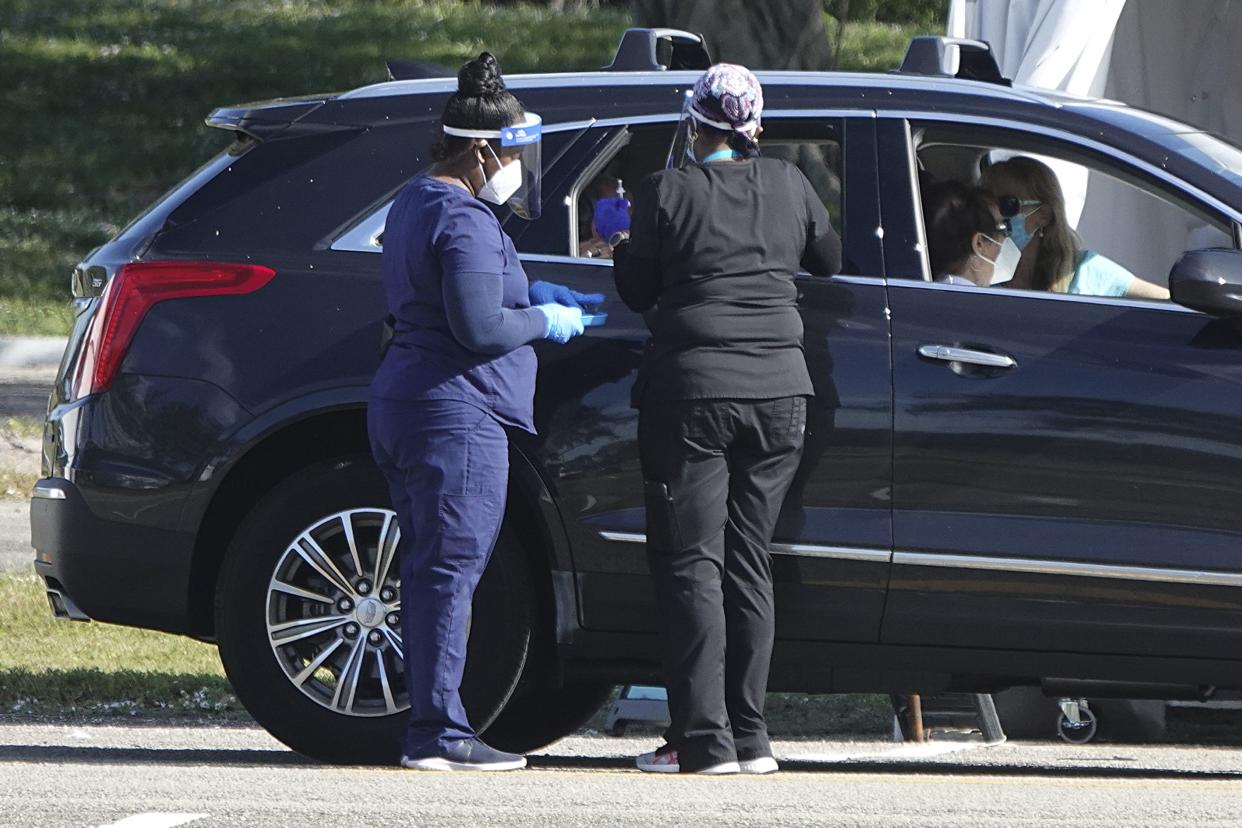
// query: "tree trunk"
[[759, 34]]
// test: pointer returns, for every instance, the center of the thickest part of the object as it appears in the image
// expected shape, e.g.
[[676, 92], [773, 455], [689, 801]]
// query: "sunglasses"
[[1010, 206]]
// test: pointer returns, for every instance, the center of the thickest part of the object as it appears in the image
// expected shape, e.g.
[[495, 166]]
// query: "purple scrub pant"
[[447, 466]]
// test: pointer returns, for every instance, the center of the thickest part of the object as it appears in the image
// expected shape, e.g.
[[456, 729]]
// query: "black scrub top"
[[714, 248]]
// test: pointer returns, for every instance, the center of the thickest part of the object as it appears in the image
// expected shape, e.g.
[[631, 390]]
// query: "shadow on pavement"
[[151, 756], [914, 766]]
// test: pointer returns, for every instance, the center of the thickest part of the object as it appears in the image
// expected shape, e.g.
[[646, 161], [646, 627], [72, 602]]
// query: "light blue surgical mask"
[[1017, 226]]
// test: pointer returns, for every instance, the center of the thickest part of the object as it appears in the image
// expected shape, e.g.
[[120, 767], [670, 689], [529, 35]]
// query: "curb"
[[31, 351]]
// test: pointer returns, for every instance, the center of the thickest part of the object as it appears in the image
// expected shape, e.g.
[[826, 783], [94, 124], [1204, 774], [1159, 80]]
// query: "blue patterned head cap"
[[728, 97]]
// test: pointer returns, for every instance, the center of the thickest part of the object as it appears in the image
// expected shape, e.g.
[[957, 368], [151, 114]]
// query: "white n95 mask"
[[502, 186], [1005, 263]]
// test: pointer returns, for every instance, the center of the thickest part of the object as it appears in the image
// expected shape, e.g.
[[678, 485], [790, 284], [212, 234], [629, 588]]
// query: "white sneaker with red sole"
[[665, 761]]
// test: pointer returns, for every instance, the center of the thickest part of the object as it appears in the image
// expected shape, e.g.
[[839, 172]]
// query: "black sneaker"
[[467, 754]]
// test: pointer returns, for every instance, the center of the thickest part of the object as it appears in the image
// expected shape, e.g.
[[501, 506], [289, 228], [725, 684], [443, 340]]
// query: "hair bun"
[[480, 78]]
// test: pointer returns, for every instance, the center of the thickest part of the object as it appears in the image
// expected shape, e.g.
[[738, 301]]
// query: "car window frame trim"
[[363, 234], [1231, 213], [1190, 191]]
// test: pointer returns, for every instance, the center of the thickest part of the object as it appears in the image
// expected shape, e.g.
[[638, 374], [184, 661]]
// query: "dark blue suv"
[[1001, 487]]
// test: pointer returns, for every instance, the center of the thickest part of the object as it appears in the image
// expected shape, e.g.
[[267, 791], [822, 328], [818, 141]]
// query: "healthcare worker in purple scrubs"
[[460, 369]]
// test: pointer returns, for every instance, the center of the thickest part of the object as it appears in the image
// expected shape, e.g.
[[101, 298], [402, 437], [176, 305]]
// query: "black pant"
[[715, 473]]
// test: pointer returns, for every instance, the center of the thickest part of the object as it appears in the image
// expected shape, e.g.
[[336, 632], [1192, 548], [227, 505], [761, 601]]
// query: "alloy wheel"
[[334, 613]]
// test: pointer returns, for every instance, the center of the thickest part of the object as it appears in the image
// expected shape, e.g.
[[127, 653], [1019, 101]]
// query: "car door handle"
[[947, 353]]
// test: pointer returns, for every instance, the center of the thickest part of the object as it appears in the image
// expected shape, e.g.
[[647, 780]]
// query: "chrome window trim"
[[1070, 568], [1045, 296], [837, 553], [920, 226], [557, 258], [623, 537], [799, 550], [566, 126], [768, 114], [1079, 140], [363, 237]]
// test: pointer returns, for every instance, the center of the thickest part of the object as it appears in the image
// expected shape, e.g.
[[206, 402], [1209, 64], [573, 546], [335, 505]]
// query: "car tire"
[[257, 621], [541, 716]]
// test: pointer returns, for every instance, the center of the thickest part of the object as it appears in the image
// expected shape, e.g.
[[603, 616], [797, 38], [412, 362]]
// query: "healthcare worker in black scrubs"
[[722, 397], [459, 371]]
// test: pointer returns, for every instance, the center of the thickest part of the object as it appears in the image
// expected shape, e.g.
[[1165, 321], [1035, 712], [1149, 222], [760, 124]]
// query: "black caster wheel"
[[1077, 724]]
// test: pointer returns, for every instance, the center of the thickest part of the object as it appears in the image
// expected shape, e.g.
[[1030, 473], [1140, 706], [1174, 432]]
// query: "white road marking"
[[154, 820]]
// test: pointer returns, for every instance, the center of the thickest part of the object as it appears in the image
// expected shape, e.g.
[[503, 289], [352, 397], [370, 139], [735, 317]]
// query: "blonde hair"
[[1027, 178]]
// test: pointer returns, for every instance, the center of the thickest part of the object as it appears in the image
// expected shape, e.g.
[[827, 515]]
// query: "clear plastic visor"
[[523, 141], [683, 136]]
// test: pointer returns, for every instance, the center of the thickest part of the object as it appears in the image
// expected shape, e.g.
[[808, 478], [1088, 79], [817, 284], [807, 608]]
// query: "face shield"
[[679, 153], [683, 138], [521, 140]]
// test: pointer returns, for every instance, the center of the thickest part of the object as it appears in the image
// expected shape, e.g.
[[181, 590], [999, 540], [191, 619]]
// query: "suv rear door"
[[832, 549]]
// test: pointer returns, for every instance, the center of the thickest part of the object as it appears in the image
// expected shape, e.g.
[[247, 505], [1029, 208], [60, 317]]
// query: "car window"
[[813, 148], [631, 156], [1124, 225]]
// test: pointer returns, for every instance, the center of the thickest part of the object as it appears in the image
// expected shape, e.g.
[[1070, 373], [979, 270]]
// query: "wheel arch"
[[281, 451], [293, 445], [537, 519]]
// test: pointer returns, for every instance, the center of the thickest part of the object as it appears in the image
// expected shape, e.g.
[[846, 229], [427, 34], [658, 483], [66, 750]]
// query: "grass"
[[103, 100], [18, 479], [25, 428], [53, 667], [16, 485], [50, 667]]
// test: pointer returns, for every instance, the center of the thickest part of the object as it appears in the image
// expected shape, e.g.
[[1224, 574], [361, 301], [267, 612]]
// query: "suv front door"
[[1067, 479]]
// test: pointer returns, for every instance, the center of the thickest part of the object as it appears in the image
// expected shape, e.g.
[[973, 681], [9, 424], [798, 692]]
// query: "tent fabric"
[[1171, 58], [1052, 44]]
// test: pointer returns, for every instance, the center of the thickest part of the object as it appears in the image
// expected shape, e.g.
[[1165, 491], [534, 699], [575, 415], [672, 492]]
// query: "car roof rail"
[[655, 50], [952, 57]]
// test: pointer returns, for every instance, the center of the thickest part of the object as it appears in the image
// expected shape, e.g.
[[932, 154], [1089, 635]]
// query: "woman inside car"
[[1053, 258], [967, 240]]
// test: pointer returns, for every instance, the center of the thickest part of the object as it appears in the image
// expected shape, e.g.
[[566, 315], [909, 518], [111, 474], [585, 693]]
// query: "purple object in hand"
[[612, 214]]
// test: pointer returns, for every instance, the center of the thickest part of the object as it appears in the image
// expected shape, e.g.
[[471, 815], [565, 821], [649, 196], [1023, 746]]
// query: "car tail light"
[[134, 289]]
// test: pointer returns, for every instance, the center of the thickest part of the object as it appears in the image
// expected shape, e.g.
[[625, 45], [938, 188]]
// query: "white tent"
[[1174, 57]]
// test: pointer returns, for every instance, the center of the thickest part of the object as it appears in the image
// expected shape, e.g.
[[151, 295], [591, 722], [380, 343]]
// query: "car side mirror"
[[1209, 280]]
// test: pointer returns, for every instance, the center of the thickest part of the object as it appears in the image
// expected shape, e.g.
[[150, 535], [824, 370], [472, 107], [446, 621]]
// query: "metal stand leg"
[[989, 721], [916, 719]]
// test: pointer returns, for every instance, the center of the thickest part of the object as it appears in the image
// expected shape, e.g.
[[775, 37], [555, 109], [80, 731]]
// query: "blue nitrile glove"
[[564, 322], [612, 215], [545, 293]]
